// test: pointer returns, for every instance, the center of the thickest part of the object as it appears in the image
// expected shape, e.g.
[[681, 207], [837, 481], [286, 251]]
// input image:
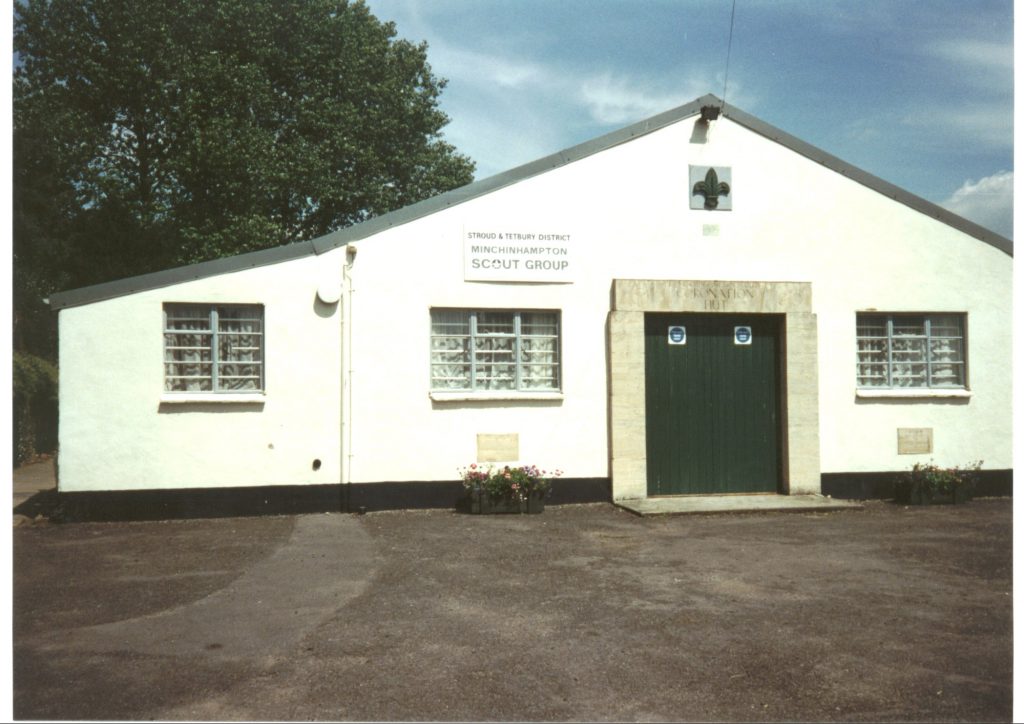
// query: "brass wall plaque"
[[497, 448], [914, 440]]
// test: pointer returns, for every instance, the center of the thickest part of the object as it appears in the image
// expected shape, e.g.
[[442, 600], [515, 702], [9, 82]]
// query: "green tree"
[[154, 133]]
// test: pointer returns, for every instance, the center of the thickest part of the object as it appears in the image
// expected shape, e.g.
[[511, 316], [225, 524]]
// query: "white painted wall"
[[627, 212], [116, 434]]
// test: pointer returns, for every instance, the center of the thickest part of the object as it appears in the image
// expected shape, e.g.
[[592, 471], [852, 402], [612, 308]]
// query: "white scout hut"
[[698, 303]]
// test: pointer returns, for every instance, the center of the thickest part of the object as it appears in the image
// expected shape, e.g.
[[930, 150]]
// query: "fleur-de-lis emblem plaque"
[[711, 188]]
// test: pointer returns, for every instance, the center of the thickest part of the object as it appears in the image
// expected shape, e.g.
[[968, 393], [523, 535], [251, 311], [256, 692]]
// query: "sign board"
[[913, 440], [512, 255], [497, 448], [677, 335], [743, 335]]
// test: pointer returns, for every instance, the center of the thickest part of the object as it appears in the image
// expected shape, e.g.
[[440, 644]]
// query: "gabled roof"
[[155, 280]]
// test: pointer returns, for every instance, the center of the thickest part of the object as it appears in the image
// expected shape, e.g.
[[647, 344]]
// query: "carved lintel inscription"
[[722, 297], [719, 295], [502, 448], [914, 440]]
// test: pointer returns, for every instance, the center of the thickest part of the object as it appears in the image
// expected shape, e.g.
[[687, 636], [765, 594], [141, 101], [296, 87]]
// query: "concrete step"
[[687, 504]]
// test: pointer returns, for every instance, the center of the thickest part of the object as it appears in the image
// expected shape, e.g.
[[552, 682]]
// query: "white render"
[[348, 383], [118, 432]]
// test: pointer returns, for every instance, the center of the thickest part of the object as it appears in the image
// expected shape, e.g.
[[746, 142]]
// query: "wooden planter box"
[[916, 495], [483, 504]]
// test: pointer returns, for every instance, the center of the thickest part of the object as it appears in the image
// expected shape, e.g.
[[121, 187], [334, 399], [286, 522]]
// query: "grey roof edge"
[[169, 277], [404, 215], [362, 230], [871, 181], [507, 178]]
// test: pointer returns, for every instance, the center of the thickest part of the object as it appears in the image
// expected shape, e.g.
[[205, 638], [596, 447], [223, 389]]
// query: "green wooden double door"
[[713, 403]]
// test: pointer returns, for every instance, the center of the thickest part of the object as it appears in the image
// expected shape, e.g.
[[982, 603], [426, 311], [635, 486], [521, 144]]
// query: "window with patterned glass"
[[213, 348], [911, 350], [492, 350]]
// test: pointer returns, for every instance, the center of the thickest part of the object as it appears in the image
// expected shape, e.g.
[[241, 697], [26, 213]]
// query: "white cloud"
[[518, 112], [510, 106], [496, 145], [506, 111], [988, 201], [619, 99], [975, 73], [484, 69], [985, 124], [991, 55]]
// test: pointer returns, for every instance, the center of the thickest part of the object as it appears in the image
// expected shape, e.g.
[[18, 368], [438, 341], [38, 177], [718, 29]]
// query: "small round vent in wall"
[[329, 292]]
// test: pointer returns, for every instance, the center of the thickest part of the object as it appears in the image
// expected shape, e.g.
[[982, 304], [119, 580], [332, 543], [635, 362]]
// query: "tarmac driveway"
[[581, 613]]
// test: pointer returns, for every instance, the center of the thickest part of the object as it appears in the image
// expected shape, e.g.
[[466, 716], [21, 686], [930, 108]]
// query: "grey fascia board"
[[866, 179], [170, 277]]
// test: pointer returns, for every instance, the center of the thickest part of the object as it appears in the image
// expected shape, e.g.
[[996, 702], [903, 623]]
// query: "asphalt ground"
[[34, 484], [585, 612]]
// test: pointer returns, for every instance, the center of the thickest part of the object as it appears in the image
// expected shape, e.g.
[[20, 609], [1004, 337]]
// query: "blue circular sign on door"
[[743, 335], [677, 335]]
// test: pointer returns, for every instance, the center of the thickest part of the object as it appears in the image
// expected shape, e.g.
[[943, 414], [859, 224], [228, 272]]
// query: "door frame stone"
[[633, 298]]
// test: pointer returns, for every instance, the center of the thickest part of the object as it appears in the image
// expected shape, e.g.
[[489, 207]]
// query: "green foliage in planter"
[[35, 406], [516, 483], [930, 480]]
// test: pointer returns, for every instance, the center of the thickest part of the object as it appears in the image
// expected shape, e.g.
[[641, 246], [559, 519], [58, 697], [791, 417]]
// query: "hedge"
[[35, 407]]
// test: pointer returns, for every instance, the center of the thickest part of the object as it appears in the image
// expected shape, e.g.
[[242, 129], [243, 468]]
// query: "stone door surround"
[[632, 298]]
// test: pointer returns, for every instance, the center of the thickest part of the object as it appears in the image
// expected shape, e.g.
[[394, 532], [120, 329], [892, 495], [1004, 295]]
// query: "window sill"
[[225, 398], [913, 393], [464, 396]]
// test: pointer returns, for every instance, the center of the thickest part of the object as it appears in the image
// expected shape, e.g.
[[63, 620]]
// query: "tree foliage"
[[34, 406], [154, 133]]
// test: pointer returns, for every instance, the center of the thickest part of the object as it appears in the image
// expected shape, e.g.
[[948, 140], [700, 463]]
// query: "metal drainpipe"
[[346, 385]]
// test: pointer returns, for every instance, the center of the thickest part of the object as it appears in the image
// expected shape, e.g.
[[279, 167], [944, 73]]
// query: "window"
[[213, 348], [494, 350], [910, 350]]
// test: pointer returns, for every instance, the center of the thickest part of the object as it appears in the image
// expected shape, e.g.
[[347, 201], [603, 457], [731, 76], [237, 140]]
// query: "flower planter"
[[929, 484], [921, 495], [506, 489], [483, 504]]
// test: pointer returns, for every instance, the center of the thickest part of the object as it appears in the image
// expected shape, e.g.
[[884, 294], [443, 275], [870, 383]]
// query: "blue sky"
[[917, 92]]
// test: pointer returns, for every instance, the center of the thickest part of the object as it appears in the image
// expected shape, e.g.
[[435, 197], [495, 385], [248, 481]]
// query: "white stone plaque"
[[914, 440], [502, 448]]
